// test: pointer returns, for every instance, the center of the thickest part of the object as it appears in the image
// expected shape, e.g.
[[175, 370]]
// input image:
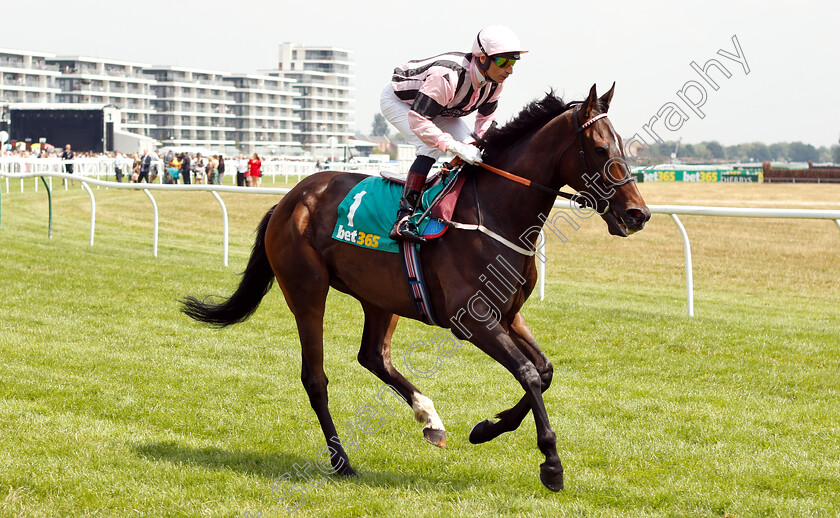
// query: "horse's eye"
[[601, 151]]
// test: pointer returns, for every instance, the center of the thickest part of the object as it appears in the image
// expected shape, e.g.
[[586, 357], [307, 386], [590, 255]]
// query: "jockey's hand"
[[467, 152]]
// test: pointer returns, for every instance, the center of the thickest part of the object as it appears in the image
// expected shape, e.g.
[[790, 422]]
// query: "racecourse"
[[112, 403]]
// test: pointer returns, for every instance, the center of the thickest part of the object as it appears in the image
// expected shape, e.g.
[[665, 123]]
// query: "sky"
[[777, 71]]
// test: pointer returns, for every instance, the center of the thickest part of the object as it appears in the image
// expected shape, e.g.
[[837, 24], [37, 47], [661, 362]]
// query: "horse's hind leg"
[[304, 279], [375, 356], [510, 419], [315, 382]]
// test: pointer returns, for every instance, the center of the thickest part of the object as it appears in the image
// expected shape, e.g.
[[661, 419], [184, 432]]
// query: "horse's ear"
[[607, 97], [591, 103]]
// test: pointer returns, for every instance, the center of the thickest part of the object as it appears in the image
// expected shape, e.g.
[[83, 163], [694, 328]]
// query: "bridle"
[[601, 205]]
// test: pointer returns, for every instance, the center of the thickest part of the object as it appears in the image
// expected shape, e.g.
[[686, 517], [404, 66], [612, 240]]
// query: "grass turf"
[[112, 403]]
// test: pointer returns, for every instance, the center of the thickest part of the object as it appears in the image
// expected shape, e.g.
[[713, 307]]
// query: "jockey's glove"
[[467, 152]]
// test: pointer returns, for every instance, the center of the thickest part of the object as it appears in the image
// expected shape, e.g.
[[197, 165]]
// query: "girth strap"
[[416, 287]]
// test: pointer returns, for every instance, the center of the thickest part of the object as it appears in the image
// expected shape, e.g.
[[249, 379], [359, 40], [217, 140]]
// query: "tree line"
[[713, 151], [707, 151]]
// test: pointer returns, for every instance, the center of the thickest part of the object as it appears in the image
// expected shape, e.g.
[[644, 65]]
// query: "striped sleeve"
[[437, 90], [487, 113]]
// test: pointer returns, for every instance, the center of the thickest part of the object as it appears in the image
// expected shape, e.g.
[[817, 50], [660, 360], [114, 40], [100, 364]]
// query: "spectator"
[[212, 170], [241, 170], [156, 167], [173, 168], [68, 165], [135, 168], [199, 167], [145, 167], [221, 178], [254, 171], [186, 168], [118, 167]]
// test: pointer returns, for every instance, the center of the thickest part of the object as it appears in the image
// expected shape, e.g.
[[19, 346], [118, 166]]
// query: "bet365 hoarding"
[[698, 174]]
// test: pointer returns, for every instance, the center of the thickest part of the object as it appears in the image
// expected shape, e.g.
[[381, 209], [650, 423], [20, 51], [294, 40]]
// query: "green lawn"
[[112, 403]]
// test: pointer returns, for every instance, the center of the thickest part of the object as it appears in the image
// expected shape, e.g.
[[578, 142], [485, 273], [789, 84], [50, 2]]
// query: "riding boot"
[[404, 228]]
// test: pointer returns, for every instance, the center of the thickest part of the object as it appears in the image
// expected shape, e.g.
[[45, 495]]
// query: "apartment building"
[[86, 80], [192, 108], [265, 111], [26, 77], [305, 106], [324, 83]]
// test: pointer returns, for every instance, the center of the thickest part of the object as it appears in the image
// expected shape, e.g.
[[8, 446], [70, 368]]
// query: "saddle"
[[400, 178], [443, 205]]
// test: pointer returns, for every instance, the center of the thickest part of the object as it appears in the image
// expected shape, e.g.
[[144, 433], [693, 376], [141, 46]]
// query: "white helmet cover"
[[496, 39]]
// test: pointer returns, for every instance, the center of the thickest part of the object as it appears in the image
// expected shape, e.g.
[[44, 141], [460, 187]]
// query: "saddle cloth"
[[369, 211]]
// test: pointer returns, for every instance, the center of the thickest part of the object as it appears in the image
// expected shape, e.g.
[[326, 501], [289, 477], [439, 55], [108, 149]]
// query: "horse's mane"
[[533, 117]]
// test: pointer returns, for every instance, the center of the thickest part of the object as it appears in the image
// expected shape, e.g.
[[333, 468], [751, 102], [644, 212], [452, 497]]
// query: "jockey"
[[426, 98]]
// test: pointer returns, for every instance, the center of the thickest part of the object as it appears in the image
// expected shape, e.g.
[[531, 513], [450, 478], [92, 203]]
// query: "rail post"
[[541, 259], [689, 276], [92, 210], [225, 227], [49, 197], [155, 235]]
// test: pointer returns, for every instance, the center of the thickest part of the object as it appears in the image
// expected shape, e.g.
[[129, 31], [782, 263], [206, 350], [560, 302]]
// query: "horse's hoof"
[[346, 471], [436, 437], [551, 478], [480, 432]]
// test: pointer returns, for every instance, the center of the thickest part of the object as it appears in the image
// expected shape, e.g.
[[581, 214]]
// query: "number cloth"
[[369, 210]]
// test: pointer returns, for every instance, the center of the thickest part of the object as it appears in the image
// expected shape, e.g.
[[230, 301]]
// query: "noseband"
[[601, 205]]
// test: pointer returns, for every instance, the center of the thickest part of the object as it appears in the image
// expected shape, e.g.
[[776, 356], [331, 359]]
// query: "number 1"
[[355, 206]]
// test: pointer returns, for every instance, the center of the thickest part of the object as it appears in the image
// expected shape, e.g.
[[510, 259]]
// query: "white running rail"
[[673, 210]]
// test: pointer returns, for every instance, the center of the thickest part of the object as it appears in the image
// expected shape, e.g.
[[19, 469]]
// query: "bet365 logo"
[[358, 237]]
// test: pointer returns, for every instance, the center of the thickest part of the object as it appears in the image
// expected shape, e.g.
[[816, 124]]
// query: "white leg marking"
[[424, 412]]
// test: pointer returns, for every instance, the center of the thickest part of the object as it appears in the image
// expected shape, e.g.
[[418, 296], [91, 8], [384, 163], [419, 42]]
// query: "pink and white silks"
[[454, 86]]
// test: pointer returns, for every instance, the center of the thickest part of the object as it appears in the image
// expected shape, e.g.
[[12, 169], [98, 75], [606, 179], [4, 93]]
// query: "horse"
[[295, 247]]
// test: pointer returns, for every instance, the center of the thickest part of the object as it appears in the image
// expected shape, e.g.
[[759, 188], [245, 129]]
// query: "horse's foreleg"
[[375, 356], [497, 343], [510, 419]]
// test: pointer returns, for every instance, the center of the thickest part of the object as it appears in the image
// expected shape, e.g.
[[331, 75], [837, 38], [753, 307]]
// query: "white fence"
[[104, 168], [672, 210], [146, 188], [736, 212]]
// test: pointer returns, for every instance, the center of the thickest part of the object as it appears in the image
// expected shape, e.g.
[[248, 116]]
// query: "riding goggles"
[[504, 62]]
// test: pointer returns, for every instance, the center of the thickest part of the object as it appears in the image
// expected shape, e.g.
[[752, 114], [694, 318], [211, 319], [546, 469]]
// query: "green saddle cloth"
[[369, 211]]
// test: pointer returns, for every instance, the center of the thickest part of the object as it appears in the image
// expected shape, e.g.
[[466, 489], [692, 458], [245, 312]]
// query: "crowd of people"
[[185, 168]]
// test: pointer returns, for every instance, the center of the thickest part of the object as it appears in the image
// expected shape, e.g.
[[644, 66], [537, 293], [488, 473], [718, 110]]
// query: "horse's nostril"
[[636, 214]]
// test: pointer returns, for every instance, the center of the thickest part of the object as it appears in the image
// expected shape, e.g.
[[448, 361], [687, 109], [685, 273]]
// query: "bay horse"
[[295, 247]]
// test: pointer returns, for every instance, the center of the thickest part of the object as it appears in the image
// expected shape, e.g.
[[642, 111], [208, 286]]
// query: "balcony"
[[11, 62]]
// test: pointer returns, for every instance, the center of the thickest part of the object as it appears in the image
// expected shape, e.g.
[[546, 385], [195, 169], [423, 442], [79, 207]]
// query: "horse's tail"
[[256, 281]]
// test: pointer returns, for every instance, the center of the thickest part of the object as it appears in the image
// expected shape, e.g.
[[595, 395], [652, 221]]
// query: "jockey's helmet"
[[495, 40]]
